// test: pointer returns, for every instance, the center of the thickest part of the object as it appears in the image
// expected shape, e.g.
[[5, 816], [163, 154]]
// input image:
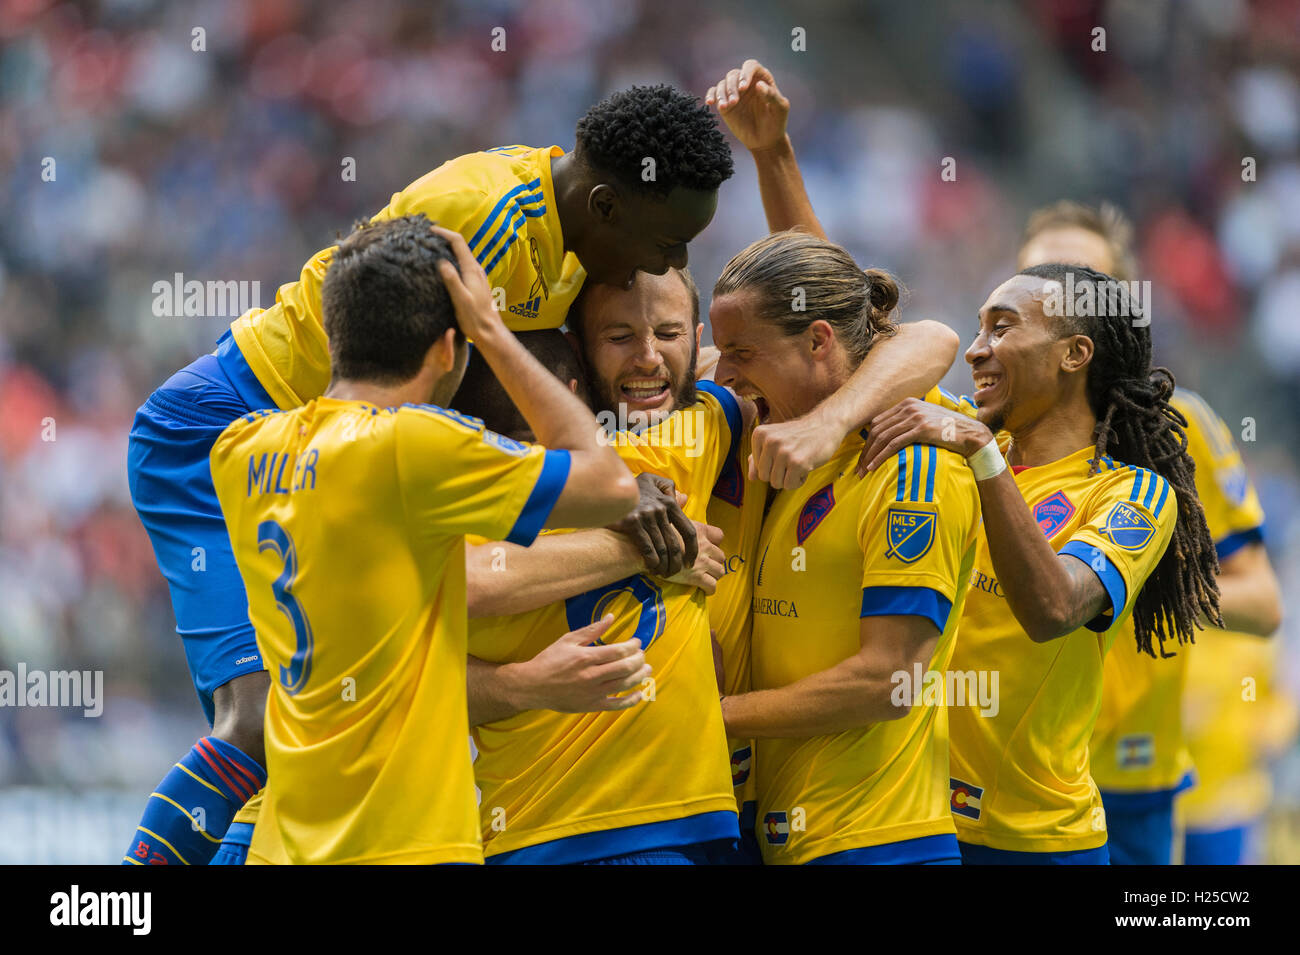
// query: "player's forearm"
[[504, 579], [1049, 595], [907, 365], [780, 184], [845, 696], [599, 489], [1248, 593], [558, 418], [493, 690]]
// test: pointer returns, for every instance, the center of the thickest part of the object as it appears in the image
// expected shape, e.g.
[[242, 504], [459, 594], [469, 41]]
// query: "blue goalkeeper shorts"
[[171, 487]]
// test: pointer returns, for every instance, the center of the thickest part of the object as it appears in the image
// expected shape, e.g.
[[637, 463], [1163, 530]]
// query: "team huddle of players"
[[782, 600]]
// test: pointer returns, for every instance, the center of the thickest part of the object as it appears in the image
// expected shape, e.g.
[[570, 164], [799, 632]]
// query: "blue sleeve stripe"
[[1110, 578], [1151, 491], [1164, 493], [1235, 542], [916, 472], [540, 503], [730, 408], [929, 478], [501, 204], [907, 601], [902, 473], [1138, 474], [500, 252], [512, 223]]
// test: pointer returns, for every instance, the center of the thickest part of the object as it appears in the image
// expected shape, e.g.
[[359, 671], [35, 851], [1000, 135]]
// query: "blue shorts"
[[1140, 826], [171, 487], [1231, 846], [984, 855], [699, 853], [234, 847], [927, 850]]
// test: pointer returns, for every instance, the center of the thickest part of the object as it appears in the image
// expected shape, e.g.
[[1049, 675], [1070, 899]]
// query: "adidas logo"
[[528, 309]]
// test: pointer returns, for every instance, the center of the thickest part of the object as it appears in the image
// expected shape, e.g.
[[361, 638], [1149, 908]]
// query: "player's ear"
[[602, 203], [699, 335], [573, 386], [821, 336], [1078, 353], [446, 353]]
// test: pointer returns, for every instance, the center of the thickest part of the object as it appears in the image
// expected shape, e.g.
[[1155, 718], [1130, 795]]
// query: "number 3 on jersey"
[[587, 608], [271, 536]]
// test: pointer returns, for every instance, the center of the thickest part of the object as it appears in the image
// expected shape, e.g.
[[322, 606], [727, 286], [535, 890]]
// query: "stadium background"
[[226, 165]]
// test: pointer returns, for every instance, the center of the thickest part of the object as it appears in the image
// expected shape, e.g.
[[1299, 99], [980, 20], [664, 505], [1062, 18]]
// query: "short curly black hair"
[[673, 128]]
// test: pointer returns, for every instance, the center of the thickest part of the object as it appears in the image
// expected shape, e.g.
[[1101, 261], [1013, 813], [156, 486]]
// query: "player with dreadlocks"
[[1144, 755], [641, 182], [1096, 521]]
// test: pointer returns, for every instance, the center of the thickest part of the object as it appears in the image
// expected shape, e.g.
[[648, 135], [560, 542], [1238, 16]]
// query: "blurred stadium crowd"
[[228, 163]]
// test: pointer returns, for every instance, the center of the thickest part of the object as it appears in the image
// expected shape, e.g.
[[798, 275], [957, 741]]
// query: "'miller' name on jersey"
[[774, 608], [266, 474]]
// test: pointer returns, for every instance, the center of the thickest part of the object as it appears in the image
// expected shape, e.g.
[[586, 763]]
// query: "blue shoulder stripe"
[[929, 478], [501, 204], [902, 474], [730, 408], [917, 466], [1164, 493]]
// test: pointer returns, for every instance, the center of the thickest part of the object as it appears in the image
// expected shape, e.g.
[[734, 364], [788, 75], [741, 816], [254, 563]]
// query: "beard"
[[682, 393]]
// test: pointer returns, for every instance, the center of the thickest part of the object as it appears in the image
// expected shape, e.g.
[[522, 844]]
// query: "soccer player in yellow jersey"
[[347, 517], [858, 585], [1139, 755], [785, 452], [640, 183], [1231, 733], [1074, 542]]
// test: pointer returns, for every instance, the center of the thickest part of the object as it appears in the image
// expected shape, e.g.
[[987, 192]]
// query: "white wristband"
[[987, 462]]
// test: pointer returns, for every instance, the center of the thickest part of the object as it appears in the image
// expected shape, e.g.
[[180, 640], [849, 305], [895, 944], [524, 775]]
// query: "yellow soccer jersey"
[[348, 526], [737, 506], [1234, 715], [1138, 746], [502, 201], [1020, 777], [900, 541], [560, 788]]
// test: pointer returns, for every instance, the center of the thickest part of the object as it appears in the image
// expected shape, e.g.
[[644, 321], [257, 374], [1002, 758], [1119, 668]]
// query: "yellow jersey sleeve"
[[690, 447], [915, 539], [501, 200], [1232, 509], [1130, 522], [499, 488]]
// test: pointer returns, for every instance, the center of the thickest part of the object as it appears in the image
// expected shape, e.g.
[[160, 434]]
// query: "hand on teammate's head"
[[468, 286]]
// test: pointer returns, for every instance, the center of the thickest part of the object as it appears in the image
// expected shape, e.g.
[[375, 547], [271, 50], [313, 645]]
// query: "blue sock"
[[188, 815]]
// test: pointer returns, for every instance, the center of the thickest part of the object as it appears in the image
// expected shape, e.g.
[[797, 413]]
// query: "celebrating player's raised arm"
[[756, 113], [599, 489]]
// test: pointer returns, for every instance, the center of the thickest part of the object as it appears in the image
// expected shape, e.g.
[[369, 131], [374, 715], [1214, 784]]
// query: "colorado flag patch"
[[964, 798], [740, 761], [777, 828]]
